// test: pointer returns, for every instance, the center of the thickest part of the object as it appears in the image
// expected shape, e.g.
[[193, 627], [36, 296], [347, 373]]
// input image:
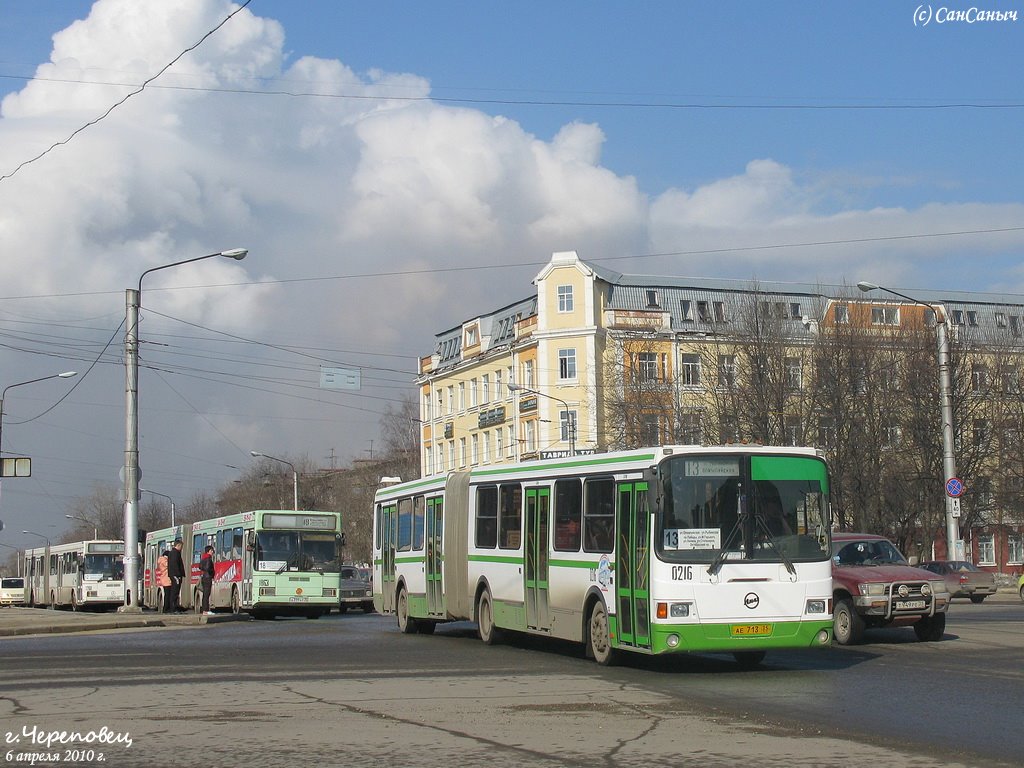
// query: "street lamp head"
[[513, 387], [866, 286], [235, 253], [67, 374], [255, 453]]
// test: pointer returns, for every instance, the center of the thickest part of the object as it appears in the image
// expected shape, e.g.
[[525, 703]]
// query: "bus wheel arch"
[[599, 636], [487, 629], [406, 623]]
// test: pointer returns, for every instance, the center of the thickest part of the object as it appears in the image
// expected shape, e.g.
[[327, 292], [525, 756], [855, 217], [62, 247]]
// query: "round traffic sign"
[[954, 487]]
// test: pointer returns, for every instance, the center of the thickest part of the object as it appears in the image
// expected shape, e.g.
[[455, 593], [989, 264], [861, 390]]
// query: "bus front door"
[[633, 566], [247, 567], [389, 540], [435, 587], [538, 506]]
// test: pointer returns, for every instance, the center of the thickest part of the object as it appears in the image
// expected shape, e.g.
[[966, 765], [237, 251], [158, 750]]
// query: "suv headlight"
[[872, 589], [938, 587]]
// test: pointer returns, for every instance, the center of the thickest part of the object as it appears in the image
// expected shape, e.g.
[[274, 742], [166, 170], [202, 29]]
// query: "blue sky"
[[513, 130]]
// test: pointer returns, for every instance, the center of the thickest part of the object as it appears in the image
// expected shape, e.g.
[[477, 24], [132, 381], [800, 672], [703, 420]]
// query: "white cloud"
[[323, 187]]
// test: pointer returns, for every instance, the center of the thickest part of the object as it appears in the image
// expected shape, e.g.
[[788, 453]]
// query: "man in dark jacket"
[[176, 570], [206, 569]]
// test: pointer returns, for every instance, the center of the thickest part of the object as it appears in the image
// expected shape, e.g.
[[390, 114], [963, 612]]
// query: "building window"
[[487, 447], [891, 434], [794, 373], [986, 549], [719, 307], [462, 395], [566, 364], [647, 366], [440, 405], [528, 374], [885, 315], [426, 406], [1015, 549], [957, 316], [841, 314], [531, 436], [567, 419], [476, 449], [462, 451], [691, 429], [727, 370], [979, 378], [439, 453], [826, 432], [497, 385], [1015, 325], [474, 393], [794, 311], [686, 310], [794, 433], [650, 429], [472, 336], [451, 399], [703, 314], [972, 317], [652, 299], [982, 433], [511, 441], [1000, 319], [485, 392], [499, 443], [428, 458], [451, 454], [565, 298], [691, 370]]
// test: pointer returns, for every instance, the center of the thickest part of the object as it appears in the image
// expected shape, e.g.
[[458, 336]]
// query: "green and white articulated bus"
[[658, 550]]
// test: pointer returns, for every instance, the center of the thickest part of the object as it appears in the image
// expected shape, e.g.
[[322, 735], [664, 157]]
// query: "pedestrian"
[[206, 569], [163, 582], [176, 570]]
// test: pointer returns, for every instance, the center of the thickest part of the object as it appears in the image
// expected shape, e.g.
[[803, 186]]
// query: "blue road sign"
[[954, 487]]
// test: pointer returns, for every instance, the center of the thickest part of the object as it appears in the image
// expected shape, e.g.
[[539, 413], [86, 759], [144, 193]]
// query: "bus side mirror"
[[250, 539], [341, 539]]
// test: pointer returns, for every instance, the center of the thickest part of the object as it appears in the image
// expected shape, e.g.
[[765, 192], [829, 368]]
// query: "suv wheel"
[[848, 626]]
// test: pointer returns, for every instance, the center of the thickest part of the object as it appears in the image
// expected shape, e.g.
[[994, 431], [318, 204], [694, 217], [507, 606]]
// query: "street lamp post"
[[570, 415], [33, 533], [3, 395], [954, 546], [295, 475], [95, 528], [130, 471], [157, 493]]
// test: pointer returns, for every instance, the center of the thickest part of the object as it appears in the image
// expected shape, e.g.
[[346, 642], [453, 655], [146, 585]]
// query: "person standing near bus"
[[163, 581], [176, 570], [206, 578]]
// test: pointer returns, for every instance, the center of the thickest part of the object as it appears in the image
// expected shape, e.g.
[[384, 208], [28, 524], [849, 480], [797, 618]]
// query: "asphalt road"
[[349, 690]]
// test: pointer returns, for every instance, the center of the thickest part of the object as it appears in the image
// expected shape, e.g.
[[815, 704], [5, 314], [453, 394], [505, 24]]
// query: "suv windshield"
[[867, 552]]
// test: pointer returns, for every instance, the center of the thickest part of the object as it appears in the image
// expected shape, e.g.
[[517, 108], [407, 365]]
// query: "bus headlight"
[[815, 606], [678, 611]]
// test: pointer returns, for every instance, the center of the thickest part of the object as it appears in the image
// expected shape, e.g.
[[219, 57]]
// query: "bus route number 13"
[[682, 572]]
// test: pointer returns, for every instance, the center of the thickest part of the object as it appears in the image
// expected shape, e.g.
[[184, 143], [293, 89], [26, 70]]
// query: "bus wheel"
[[236, 602], [599, 636], [405, 622], [426, 627], [748, 659], [848, 625], [489, 633]]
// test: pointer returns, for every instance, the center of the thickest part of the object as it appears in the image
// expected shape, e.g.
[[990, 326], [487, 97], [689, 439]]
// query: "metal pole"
[[295, 474], [130, 470], [954, 545]]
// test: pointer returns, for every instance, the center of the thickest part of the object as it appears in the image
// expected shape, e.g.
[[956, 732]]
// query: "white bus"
[[266, 562], [657, 550], [85, 574]]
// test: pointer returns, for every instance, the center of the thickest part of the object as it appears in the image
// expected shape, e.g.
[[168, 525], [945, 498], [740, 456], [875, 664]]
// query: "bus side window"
[[599, 515], [487, 517]]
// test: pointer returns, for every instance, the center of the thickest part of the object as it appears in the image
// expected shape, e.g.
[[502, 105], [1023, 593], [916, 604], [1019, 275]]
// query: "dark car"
[[873, 585], [963, 579], [356, 588]]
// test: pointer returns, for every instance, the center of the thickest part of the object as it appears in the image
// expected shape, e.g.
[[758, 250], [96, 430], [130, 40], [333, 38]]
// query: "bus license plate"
[[751, 629], [910, 605]]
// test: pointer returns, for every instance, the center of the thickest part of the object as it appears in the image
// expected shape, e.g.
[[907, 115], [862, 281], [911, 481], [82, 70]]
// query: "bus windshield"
[[730, 507], [298, 551], [103, 568]]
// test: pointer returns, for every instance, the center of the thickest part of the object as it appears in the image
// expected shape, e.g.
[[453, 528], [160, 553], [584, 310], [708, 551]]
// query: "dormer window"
[[472, 336], [652, 298]]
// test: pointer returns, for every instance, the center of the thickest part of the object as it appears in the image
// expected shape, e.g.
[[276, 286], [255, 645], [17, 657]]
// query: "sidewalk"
[[16, 621]]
